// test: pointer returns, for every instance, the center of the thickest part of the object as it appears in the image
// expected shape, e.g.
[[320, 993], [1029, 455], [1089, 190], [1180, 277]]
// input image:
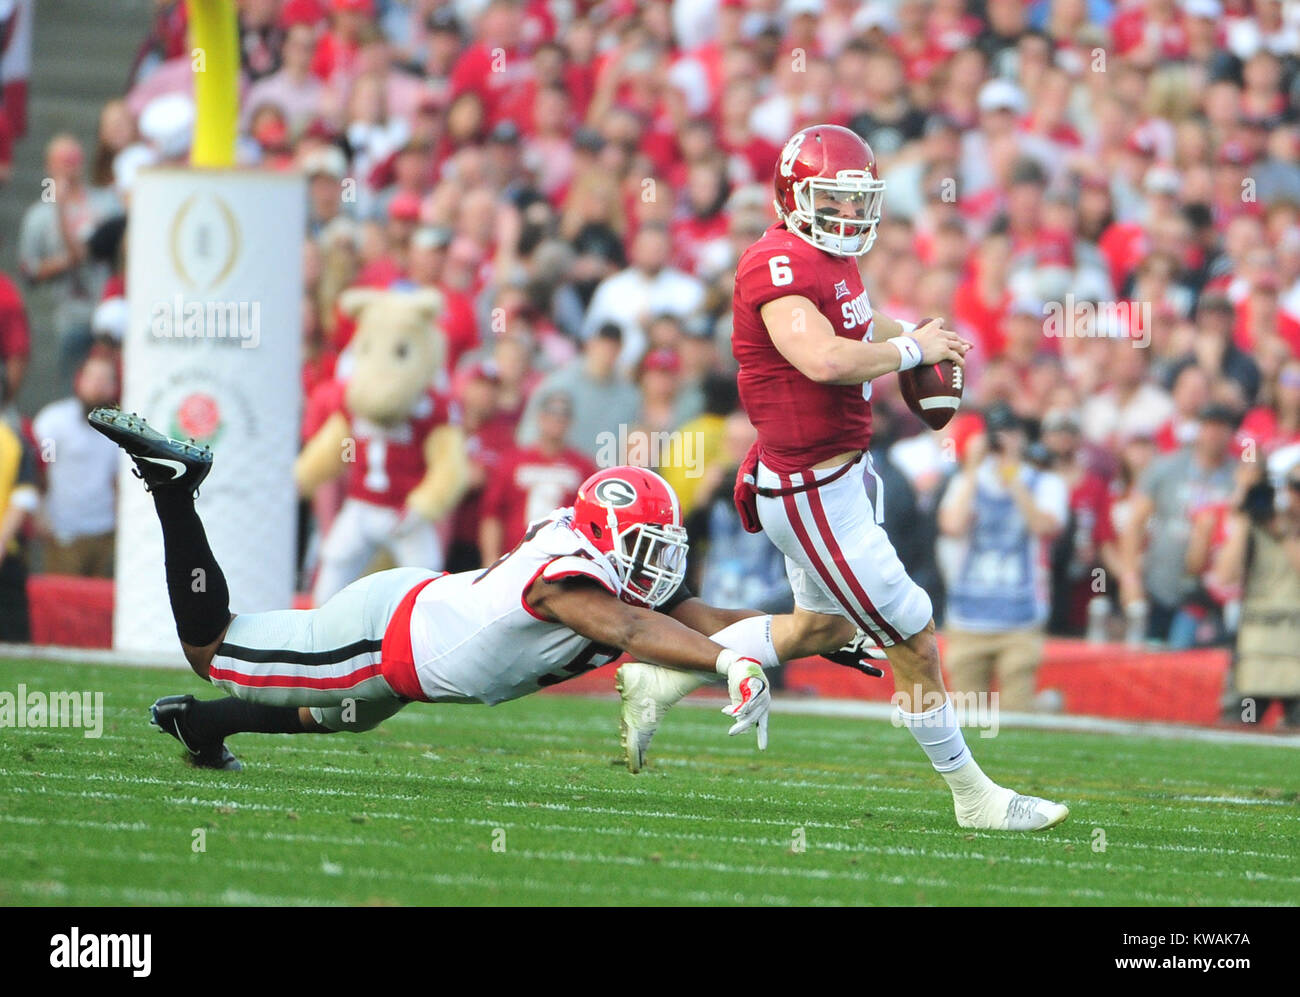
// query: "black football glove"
[[858, 654]]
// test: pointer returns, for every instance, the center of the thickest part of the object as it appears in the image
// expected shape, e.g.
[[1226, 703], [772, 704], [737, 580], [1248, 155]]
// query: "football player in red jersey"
[[809, 346]]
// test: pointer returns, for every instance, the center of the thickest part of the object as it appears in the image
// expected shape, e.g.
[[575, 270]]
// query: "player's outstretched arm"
[[804, 336], [591, 611]]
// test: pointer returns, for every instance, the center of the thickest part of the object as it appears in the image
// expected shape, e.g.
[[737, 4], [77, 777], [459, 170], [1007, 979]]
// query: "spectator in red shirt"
[[982, 299], [427, 261], [15, 336], [336, 52], [1150, 31], [705, 221], [752, 157], [489, 437], [1276, 424], [532, 481], [1088, 541], [494, 65]]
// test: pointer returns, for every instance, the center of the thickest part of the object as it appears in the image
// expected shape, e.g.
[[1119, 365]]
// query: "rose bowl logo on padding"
[[615, 493], [198, 417]]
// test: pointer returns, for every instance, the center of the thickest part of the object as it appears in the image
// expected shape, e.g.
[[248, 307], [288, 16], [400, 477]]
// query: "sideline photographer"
[[1003, 511], [1261, 553]]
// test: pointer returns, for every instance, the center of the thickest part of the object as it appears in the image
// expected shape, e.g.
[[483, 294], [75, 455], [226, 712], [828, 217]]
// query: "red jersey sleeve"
[[765, 274]]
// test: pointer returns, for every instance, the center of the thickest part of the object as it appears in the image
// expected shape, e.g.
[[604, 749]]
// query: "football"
[[933, 391]]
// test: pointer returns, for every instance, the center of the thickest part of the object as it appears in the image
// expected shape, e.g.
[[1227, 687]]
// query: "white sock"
[[751, 637], [937, 733]]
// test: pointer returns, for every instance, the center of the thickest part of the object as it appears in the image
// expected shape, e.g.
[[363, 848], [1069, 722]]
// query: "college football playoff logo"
[[615, 493]]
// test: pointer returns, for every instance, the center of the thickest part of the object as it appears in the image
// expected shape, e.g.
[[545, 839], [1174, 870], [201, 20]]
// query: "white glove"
[[751, 694]]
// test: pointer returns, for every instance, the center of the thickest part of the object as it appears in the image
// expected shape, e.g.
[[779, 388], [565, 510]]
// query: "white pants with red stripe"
[[325, 658], [837, 555]]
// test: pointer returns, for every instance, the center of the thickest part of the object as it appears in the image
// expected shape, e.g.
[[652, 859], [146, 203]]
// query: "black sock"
[[195, 584], [216, 719]]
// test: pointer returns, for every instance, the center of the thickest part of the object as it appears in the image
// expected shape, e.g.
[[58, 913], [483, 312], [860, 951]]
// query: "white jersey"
[[473, 638]]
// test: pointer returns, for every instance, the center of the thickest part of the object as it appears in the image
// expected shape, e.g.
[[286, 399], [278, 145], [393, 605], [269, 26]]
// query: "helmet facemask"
[[839, 215], [650, 559]]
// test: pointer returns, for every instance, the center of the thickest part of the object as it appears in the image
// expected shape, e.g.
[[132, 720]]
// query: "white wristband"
[[909, 351], [726, 658], [908, 327]]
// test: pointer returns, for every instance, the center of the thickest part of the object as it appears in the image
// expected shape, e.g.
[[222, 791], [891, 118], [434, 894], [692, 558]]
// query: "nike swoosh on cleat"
[[177, 467]]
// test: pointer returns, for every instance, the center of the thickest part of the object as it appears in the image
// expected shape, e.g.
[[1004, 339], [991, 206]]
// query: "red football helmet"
[[827, 191], [632, 516]]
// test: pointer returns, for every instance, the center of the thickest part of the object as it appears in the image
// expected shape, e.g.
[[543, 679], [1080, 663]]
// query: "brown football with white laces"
[[933, 391]]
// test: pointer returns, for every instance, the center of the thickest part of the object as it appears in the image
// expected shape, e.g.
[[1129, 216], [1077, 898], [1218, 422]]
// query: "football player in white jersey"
[[578, 590]]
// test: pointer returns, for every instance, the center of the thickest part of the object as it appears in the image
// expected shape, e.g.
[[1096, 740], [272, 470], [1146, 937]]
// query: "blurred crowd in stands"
[[1103, 196]]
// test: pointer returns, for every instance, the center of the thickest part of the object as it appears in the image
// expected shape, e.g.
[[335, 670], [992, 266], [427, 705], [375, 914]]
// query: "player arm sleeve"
[[764, 277], [642, 633], [447, 476]]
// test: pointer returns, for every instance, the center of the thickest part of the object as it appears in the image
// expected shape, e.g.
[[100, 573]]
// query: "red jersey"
[[800, 422], [1094, 525], [492, 441], [527, 485], [492, 74], [15, 333], [1261, 426], [389, 460]]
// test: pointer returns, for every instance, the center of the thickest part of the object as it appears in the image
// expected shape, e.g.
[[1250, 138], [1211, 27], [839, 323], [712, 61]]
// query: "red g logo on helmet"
[[632, 516]]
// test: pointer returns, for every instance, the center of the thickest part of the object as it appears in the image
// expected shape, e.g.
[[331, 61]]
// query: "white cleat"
[[648, 691], [1005, 810]]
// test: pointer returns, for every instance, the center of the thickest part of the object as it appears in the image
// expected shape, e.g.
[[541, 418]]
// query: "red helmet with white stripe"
[[827, 190], [632, 516]]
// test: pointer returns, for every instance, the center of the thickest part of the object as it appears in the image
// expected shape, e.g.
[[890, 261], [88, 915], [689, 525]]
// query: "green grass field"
[[527, 803]]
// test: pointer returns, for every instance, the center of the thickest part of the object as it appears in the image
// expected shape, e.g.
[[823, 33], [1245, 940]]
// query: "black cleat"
[[858, 654], [168, 715], [160, 462]]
